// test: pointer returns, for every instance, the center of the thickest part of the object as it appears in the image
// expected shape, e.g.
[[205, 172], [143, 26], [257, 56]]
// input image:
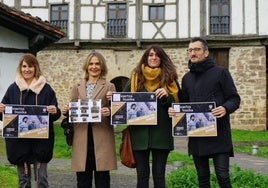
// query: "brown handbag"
[[126, 153]]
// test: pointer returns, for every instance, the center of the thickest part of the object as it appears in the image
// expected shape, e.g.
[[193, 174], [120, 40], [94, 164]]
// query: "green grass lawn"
[[242, 139]]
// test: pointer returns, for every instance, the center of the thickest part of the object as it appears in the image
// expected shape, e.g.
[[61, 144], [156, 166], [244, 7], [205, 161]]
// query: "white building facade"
[[9, 61]]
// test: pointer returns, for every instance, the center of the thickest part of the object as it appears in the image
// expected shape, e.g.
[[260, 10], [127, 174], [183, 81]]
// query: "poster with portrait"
[[81, 111], [134, 108], [25, 121], [194, 119]]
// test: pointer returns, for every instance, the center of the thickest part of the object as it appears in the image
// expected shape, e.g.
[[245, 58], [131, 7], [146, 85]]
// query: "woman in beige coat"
[[93, 147]]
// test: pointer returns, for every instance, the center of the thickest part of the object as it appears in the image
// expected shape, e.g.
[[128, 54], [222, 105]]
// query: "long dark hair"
[[168, 69]]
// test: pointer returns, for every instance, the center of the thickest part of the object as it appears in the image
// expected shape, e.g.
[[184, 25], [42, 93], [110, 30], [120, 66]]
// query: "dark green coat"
[[154, 136]]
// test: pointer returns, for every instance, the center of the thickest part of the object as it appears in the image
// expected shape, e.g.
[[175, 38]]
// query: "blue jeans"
[[159, 161], [221, 166]]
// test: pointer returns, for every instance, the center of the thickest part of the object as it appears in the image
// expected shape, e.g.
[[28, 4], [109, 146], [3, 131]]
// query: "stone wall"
[[247, 65]]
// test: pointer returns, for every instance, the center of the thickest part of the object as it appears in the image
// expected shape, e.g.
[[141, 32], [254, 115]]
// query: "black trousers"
[[221, 166], [159, 161], [101, 178]]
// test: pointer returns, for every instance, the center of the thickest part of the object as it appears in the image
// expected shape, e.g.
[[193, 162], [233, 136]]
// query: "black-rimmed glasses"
[[193, 49]]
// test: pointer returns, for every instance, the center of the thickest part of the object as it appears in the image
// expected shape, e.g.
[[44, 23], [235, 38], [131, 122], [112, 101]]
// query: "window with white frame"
[[59, 16], [116, 19], [156, 12], [219, 16]]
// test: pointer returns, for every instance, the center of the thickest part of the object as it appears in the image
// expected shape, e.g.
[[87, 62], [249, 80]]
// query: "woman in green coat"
[[154, 73]]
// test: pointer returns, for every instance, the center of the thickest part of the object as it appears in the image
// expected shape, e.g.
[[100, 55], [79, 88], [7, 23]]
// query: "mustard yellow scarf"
[[152, 77]]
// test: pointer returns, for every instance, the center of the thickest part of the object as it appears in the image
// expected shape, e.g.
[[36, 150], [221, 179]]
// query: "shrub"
[[187, 178], [247, 178], [182, 178]]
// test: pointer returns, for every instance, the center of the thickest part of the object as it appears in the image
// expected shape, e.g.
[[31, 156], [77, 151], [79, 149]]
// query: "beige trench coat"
[[103, 132]]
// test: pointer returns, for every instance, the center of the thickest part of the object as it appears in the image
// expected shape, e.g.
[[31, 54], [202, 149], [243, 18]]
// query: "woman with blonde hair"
[[93, 147]]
